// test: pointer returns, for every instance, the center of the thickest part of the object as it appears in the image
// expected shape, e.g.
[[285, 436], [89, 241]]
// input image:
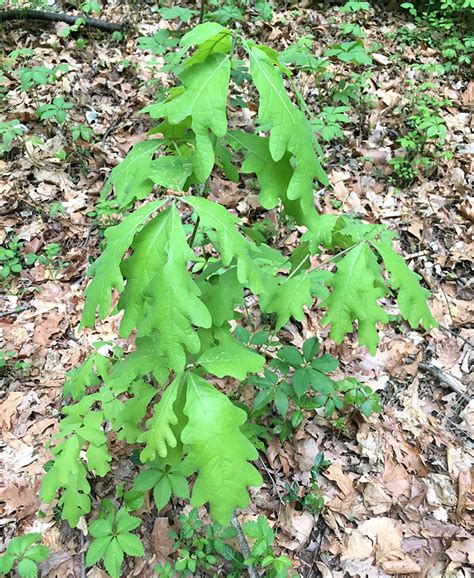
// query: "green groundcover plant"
[[183, 287]]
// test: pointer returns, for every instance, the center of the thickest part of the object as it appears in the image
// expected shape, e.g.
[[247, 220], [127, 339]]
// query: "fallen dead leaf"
[[160, 541], [378, 536], [298, 525]]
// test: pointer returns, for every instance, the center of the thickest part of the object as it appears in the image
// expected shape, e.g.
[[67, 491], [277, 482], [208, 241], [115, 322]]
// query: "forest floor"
[[399, 495]]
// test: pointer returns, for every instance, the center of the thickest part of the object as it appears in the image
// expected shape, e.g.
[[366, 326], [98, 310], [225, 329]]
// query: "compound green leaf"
[[105, 270], [37, 553], [357, 286], [113, 558], [162, 493], [126, 522], [160, 434], [217, 450], [231, 358], [204, 99], [100, 528], [289, 130], [7, 561], [130, 544], [411, 297], [97, 549], [27, 568]]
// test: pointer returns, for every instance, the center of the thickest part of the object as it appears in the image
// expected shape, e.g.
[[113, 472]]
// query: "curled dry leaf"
[[403, 565], [344, 501], [465, 492], [298, 525]]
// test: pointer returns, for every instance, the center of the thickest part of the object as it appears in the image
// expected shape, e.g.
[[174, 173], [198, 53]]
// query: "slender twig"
[[202, 11], [193, 235], [15, 311], [20, 14], [444, 378], [244, 545]]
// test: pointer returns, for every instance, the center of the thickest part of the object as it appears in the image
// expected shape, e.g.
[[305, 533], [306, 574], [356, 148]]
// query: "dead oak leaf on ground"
[[298, 525], [20, 499], [375, 498], [377, 537], [402, 564], [161, 543], [47, 327], [396, 479], [8, 408], [465, 492], [347, 496]]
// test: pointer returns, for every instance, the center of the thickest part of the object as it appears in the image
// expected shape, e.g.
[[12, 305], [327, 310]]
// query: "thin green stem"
[[202, 11]]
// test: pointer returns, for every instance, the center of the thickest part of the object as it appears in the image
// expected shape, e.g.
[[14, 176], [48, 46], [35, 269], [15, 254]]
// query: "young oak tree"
[[180, 297]]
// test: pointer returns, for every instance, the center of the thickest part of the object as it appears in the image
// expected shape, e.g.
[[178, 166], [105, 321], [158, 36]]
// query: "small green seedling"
[[57, 110], [24, 552], [113, 537]]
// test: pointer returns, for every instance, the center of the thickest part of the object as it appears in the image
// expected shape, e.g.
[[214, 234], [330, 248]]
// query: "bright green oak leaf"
[[159, 435], [147, 358], [273, 176], [231, 358], [74, 500], [217, 450], [231, 243], [130, 178], [286, 297], [219, 43], [221, 294], [289, 129], [66, 463], [204, 99], [98, 459], [105, 270], [161, 296], [170, 172], [411, 296], [149, 253], [174, 311], [357, 286], [200, 34], [133, 411]]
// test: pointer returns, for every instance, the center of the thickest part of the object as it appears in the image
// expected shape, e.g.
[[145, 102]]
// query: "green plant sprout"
[[183, 268], [24, 553]]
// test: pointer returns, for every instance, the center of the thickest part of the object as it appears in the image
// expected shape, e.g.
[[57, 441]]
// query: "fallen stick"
[[444, 378], [244, 546], [20, 14]]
